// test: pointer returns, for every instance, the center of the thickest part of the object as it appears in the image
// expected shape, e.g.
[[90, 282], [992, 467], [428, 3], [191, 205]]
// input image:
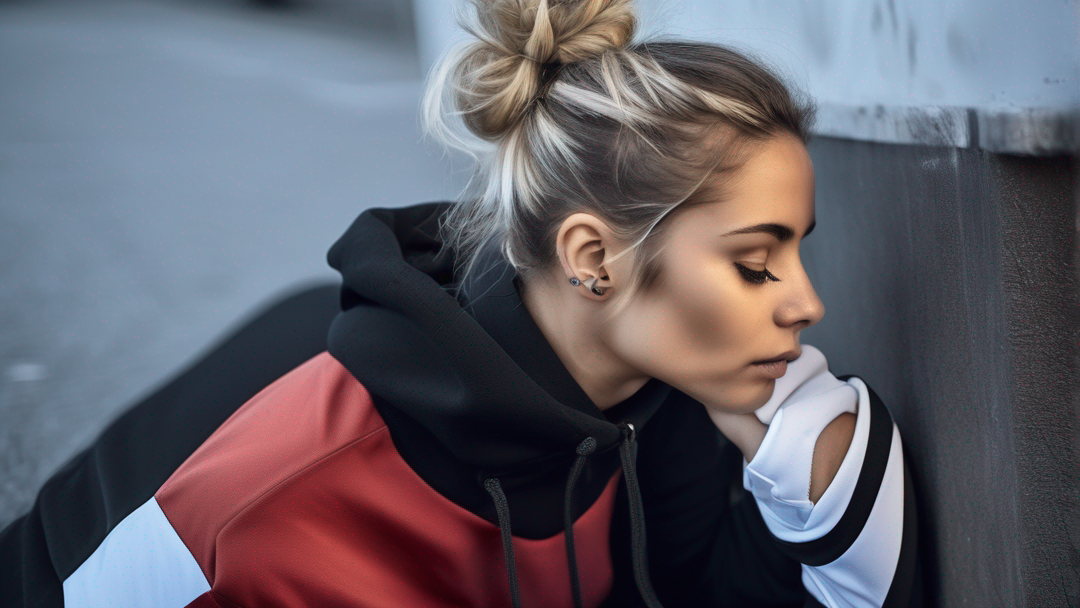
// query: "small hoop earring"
[[593, 288], [575, 281]]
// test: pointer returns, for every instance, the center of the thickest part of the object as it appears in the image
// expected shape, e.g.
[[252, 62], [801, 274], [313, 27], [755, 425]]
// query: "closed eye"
[[755, 276]]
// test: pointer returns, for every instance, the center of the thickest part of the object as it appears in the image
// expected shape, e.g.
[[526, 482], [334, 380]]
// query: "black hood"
[[475, 399], [478, 374]]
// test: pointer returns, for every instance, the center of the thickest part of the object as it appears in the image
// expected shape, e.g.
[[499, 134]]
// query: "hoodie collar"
[[481, 377], [495, 303]]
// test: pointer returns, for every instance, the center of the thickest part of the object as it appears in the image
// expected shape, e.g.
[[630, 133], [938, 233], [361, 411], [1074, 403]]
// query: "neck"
[[571, 324]]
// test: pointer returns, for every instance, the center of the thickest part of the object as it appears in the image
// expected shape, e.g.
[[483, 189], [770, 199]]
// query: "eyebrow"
[[780, 231]]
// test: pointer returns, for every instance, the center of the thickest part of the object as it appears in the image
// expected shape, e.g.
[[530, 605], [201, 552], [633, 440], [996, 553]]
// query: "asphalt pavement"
[[165, 168]]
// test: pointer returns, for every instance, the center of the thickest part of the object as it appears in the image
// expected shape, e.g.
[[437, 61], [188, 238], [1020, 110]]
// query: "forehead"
[[775, 185]]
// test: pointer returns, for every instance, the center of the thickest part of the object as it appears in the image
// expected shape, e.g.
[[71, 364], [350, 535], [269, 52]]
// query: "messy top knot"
[[517, 39], [627, 132]]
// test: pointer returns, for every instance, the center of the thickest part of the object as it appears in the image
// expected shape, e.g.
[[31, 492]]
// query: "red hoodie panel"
[[301, 499]]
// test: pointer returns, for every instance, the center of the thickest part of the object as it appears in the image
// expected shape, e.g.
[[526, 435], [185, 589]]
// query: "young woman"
[[551, 392]]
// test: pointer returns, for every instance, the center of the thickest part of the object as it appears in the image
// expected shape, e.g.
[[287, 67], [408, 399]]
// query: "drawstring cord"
[[587, 447], [502, 510], [628, 455]]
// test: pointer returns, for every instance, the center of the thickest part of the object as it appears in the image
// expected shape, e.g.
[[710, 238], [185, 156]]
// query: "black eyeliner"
[[756, 277]]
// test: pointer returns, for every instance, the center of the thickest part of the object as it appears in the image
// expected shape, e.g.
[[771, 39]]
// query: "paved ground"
[[164, 168]]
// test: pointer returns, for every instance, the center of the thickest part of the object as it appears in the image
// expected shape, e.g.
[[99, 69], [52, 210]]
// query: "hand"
[[747, 433], [744, 430]]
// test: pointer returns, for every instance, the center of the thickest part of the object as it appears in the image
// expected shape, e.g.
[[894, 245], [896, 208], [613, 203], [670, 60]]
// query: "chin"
[[751, 398], [749, 409], [764, 393]]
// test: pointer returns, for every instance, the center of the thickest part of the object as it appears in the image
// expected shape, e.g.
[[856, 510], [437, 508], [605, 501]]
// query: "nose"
[[801, 304]]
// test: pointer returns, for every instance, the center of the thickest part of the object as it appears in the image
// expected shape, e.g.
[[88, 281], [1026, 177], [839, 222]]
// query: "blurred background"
[[168, 166]]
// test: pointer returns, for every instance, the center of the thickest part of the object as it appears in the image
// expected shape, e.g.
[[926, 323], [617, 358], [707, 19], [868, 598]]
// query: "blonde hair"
[[563, 112]]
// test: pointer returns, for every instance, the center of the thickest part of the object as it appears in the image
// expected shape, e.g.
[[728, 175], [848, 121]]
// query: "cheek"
[[690, 334], [698, 340], [709, 318]]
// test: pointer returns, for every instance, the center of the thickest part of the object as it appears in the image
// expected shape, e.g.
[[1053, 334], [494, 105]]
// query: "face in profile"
[[729, 296]]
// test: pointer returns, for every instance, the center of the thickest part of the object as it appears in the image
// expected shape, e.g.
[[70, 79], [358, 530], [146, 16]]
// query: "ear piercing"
[[591, 284]]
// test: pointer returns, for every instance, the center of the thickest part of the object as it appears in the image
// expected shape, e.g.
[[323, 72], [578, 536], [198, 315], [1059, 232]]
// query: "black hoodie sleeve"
[[707, 545]]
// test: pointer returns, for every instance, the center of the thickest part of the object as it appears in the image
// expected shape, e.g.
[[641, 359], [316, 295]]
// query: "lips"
[[788, 356], [772, 370]]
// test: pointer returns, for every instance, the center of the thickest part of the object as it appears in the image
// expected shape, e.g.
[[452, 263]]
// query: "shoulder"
[[310, 411], [306, 415]]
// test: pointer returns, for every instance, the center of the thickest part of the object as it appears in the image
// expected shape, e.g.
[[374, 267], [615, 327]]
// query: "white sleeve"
[[857, 544]]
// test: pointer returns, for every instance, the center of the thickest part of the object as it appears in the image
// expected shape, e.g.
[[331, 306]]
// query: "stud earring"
[[575, 281]]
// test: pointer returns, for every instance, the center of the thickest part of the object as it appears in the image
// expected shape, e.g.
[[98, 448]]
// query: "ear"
[[583, 243]]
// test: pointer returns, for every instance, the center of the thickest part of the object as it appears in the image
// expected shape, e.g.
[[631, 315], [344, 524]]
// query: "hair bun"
[[500, 74]]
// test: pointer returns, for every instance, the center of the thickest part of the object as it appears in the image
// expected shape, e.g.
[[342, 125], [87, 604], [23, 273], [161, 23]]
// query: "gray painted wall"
[[949, 282]]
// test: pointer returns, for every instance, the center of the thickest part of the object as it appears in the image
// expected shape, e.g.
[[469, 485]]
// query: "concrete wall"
[[998, 75], [969, 53], [949, 282]]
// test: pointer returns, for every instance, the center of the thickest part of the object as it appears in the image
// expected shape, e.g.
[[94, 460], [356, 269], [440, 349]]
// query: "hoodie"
[[439, 453]]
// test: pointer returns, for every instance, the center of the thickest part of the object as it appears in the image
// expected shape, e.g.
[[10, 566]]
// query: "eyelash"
[[755, 276]]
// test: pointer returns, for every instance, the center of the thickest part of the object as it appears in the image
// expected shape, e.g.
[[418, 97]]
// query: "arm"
[[703, 549], [747, 433], [709, 543], [829, 451], [831, 484]]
